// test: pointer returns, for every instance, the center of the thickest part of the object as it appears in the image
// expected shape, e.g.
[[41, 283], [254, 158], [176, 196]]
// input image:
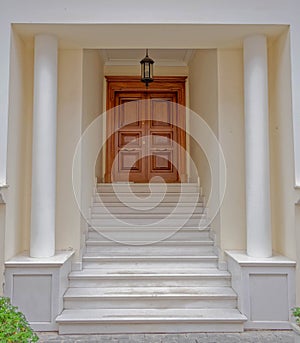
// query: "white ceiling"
[[161, 57], [169, 44], [141, 36]]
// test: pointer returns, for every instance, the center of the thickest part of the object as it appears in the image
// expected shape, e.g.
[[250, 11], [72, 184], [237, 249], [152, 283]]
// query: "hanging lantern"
[[147, 69]]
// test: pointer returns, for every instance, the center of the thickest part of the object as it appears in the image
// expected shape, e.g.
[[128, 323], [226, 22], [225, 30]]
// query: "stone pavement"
[[245, 337]]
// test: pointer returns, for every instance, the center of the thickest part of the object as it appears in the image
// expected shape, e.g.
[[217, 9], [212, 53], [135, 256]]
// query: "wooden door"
[[146, 133]]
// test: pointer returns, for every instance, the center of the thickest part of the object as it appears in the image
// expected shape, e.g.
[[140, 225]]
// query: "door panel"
[[129, 164], [161, 162], [161, 139], [161, 112], [163, 133], [129, 111]]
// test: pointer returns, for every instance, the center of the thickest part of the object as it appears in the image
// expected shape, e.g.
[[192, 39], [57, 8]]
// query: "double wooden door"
[[146, 140]]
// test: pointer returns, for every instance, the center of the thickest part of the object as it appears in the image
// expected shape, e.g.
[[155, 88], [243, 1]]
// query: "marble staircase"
[[149, 266]]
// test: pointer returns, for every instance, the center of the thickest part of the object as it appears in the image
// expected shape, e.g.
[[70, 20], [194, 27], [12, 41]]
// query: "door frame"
[[175, 84]]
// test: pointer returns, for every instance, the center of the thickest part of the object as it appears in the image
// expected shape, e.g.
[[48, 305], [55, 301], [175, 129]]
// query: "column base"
[[265, 288], [37, 285]]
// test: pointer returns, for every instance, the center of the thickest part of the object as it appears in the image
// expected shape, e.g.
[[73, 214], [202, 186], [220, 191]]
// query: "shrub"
[[14, 327], [296, 314]]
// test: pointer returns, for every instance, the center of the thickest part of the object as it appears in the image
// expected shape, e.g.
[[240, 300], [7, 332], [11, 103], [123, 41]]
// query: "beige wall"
[[68, 133], [285, 215], [92, 97], [17, 216], [92, 107], [231, 136], [281, 147], [216, 93], [203, 91]]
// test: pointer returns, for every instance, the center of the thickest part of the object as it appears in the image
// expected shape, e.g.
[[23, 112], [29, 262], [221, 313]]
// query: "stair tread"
[[150, 243], [91, 256], [149, 315], [186, 272], [143, 228], [175, 292], [146, 215], [135, 184], [161, 204]]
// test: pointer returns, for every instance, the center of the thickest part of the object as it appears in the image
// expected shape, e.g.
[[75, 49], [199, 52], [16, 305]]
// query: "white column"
[[42, 241], [259, 240]]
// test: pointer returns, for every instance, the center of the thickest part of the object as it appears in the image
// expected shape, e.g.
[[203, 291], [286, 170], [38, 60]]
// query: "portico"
[[235, 81]]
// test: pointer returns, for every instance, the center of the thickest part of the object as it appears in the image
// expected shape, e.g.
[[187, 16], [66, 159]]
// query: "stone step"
[[84, 321], [143, 206], [211, 277], [129, 262], [109, 220], [148, 199], [111, 248], [144, 210], [146, 215], [149, 297], [148, 234], [146, 187]]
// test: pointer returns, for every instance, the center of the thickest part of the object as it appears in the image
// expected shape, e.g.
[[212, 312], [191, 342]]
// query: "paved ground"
[[246, 337]]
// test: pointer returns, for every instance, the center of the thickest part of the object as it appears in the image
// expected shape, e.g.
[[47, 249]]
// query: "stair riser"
[[135, 302], [127, 222], [177, 198], [151, 236], [145, 188], [150, 264], [98, 210], [138, 205], [150, 250], [160, 282], [159, 327]]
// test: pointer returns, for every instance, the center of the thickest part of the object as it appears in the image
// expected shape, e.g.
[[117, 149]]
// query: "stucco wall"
[[68, 133], [231, 135], [92, 107], [203, 91], [281, 147], [285, 215]]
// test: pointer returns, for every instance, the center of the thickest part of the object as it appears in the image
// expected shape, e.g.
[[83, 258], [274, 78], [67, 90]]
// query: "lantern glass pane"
[[147, 70]]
